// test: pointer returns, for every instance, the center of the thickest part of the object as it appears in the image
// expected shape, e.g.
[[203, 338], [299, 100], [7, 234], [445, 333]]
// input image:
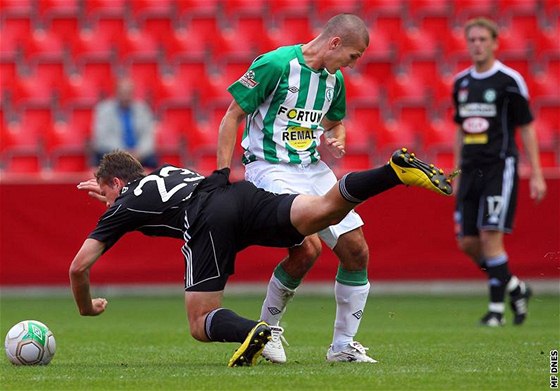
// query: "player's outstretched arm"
[[90, 251]]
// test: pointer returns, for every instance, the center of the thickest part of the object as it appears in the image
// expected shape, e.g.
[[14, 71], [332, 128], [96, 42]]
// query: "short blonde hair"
[[486, 23]]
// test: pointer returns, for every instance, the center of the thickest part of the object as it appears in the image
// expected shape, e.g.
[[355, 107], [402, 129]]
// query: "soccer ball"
[[30, 342]]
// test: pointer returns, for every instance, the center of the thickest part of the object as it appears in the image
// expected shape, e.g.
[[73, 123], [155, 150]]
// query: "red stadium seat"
[[67, 147], [547, 46], [279, 9], [291, 30], [135, 44], [61, 17], [466, 9], [92, 44], [8, 70], [14, 32], [514, 44], [543, 86], [186, 45], [214, 92], [438, 140], [44, 45], [204, 27], [392, 134], [101, 73], [517, 7], [362, 90], [405, 88], [233, 9], [32, 91], [140, 9], [418, 9], [171, 134], [144, 75], [326, 9], [78, 90], [237, 44], [51, 72], [193, 8], [22, 142], [95, 9], [375, 8], [417, 44], [170, 90]]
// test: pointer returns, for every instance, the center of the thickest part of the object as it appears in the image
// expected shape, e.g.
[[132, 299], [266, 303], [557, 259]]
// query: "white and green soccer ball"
[[30, 342]]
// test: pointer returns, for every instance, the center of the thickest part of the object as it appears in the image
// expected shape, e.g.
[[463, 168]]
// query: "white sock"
[[350, 304], [274, 305]]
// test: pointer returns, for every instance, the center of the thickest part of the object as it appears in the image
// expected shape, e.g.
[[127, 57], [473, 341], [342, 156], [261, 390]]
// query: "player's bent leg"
[[415, 172], [198, 305], [281, 288]]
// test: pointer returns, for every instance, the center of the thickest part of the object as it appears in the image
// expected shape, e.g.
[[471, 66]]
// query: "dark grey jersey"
[[488, 107], [154, 205]]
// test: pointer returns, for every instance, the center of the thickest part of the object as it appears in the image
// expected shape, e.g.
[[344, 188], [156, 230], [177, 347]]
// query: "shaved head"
[[350, 28]]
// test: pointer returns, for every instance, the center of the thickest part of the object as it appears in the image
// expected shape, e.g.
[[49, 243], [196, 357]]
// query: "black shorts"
[[487, 198], [223, 220]]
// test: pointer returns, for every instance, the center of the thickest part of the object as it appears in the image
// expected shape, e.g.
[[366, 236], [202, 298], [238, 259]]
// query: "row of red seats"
[[113, 40], [40, 141], [322, 9]]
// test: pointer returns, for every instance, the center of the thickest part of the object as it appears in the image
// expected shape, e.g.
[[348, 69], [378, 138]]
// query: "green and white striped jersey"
[[287, 100]]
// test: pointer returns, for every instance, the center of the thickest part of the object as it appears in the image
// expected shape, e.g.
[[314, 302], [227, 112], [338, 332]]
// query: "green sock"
[[352, 278], [287, 280]]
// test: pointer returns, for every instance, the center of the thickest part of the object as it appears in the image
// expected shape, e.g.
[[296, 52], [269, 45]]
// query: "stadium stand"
[[59, 57]]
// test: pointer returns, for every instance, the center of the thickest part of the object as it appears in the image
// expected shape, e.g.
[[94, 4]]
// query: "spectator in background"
[[491, 100], [125, 123]]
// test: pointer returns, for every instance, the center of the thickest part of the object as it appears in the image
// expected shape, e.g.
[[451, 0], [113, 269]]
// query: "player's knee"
[[196, 328], [468, 245], [302, 258]]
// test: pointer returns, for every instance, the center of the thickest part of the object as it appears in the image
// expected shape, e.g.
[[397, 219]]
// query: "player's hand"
[[537, 188], [98, 305], [93, 189], [335, 147]]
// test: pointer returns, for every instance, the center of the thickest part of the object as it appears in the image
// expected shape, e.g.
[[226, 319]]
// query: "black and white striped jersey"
[[488, 107], [154, 205]]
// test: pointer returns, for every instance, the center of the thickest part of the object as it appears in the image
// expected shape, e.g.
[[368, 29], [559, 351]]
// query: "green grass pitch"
[[421, 342]]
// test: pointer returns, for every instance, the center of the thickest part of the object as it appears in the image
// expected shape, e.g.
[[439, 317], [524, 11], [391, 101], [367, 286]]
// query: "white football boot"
[[353, 352], [273, 350]]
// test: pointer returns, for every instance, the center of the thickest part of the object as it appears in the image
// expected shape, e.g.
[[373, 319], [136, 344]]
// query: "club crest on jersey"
[[490, 95], [299, 138], [248, 80], [329, 94], [463, 95]]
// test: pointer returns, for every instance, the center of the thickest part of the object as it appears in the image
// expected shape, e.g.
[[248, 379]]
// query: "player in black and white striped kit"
[[491, 101]]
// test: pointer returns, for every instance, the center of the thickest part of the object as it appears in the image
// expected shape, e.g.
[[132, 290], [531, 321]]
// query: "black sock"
[[360, 185], [223, 325], [498, 277]]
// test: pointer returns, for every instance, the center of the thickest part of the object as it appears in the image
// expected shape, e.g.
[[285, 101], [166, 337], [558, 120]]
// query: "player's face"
[[110, 190], [481, 45], [341, 56]]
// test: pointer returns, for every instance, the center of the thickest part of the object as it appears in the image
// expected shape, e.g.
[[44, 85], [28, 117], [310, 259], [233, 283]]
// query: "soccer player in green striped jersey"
[[290, 98]]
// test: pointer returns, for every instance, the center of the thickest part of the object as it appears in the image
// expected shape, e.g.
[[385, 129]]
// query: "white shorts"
[[313, 179]]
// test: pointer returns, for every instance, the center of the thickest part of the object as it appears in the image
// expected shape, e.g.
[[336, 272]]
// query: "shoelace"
[[277, 334], [359, 347]]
